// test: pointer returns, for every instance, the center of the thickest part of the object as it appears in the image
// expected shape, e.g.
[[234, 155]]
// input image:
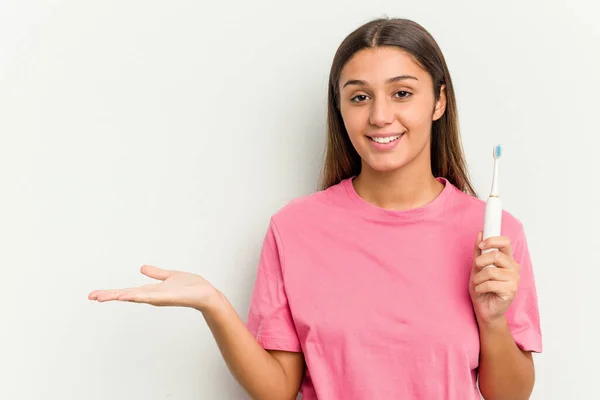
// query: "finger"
[[493, 274], [93, 294], [136, 296], [497, 287], [501, 243], [155, 272], [494, 258], [108, 295]]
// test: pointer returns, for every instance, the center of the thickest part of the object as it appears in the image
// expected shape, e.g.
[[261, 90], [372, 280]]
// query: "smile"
[[384, 140]]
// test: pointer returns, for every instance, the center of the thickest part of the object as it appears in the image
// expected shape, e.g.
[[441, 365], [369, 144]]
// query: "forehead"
[[380, 63]]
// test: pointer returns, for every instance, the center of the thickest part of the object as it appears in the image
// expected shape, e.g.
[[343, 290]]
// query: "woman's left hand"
[[493, 289]]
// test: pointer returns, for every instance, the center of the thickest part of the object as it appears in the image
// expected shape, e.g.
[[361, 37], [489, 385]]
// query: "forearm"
[[505, 371], [256, 370]]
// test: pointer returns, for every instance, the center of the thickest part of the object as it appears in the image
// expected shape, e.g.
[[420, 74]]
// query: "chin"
[[381, 165]]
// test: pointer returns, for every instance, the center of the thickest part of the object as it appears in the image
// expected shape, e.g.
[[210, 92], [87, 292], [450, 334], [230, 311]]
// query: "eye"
[[355, 98], [405, 94], [359, 98]]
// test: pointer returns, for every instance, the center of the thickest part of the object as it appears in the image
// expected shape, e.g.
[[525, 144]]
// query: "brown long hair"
[[447, 156]]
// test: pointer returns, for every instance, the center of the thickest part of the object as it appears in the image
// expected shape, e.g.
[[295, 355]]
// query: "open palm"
[[177, 288]]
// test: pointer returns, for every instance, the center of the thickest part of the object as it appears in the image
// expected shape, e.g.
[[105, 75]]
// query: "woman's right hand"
[[177, 288], [262, 373]]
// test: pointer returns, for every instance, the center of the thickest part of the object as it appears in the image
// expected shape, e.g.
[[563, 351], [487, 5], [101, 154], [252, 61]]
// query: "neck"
[[397, 190]]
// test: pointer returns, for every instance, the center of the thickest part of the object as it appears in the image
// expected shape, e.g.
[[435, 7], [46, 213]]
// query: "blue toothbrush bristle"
[[497, 151]]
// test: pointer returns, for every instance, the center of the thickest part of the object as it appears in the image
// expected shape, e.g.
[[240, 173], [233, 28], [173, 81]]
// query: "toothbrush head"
[[497, 151]]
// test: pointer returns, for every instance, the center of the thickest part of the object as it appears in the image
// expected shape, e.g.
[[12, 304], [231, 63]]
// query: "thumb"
[[476, 249], [155, 272]]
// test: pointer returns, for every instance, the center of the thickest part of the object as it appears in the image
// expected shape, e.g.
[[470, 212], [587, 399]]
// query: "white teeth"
[[384, 140]]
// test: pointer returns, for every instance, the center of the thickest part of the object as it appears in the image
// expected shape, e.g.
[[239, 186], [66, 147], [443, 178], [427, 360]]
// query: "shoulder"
[[312, 208], [468, 207]]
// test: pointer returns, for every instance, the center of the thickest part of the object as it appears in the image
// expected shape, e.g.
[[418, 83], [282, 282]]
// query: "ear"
[[440, 105]]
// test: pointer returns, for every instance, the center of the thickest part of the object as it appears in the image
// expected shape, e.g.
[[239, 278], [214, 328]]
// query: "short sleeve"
[[269, 319], [523, 314]]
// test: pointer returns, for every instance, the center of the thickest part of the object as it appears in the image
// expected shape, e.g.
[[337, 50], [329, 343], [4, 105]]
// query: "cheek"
[[356, 121], [416, 117]]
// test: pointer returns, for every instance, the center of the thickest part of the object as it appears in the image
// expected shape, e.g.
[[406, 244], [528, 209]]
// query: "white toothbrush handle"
[[493, 221]]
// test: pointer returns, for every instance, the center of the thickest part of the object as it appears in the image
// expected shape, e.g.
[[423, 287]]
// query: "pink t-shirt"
[[378, 300]]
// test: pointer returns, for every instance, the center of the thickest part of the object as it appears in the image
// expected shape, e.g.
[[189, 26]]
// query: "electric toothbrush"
[[493, 208]]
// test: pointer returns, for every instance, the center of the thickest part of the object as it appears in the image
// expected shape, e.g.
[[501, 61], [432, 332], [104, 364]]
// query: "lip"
[[385, 146], [384, 134]]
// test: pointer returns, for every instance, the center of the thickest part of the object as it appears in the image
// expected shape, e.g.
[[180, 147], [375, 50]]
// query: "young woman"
[[374, 286]]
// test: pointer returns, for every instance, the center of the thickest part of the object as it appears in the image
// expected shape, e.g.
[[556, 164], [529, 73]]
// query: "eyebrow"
[[390, 80]]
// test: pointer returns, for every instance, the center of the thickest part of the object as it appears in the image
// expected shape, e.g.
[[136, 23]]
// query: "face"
[[388, 106]]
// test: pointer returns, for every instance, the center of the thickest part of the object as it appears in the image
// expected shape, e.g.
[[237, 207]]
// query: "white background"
[[167, 133]]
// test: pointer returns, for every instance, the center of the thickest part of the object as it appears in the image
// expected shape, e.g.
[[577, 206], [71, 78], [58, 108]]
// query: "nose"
[[381, 112]]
